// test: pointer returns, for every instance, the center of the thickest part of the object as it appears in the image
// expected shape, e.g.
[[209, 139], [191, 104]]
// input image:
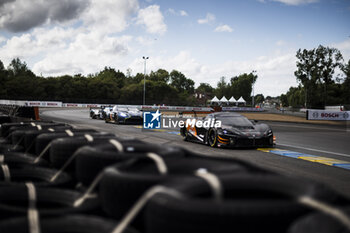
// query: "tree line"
[[323, 77], [112, 86], [322, 74]]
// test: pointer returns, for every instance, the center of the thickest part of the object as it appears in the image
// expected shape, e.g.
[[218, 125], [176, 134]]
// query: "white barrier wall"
[[177, 108], [328, 115], [145, 107], [51, 104], [241, 109]]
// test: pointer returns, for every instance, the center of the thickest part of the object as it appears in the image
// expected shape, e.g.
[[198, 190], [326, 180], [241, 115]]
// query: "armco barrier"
[[181, 109], [43, 104], [327, 115], [176, 108], [241, 109]]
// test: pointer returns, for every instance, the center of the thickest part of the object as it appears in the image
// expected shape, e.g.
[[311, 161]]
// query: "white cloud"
[[178, 13], [153, 19], [207, 20], [18, 46], [22, 15], [273, 71], [146, 41], [109, 16], [344, 48], [223, 28], [296, 2], [2, 39], [183, 13], [88, 53], [281, 43]]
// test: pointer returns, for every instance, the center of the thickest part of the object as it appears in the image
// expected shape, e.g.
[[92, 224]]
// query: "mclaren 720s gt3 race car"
[[235, 130]]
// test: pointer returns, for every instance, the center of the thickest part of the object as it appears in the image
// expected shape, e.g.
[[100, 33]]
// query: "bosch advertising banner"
[[328, 115], [43, 104]]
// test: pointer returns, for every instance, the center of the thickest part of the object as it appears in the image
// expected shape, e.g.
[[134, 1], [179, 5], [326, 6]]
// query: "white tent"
[[232, 100], [224, 100], [215, 99], [241, 100]]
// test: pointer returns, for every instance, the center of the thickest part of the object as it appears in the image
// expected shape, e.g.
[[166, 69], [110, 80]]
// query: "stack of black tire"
[[89, 181]]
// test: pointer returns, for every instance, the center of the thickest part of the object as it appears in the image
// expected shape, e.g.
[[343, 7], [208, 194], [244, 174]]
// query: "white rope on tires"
[[142, 201], [327, 209], [213, 182], [6, 171], [33, 215]]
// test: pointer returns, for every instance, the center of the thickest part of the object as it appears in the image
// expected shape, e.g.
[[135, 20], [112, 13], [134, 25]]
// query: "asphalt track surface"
[[322, 141]]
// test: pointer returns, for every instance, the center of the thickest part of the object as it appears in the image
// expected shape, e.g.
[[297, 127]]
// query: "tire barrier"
[[15, 159], [57, 178], [69, 223], [323, 223], [63, 148], [43, 140], [49, 201], [4, 119], [246, 199], [40, 176], [90, 161], [121, 186]]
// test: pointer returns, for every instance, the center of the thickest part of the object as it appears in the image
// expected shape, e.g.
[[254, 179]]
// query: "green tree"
[[242, 85], [3, 80], [284, 100], [346, 84], [295, 97], [315, 70], [17, 67], [221, 88], [259, 98], [181, 83], [160, 76]]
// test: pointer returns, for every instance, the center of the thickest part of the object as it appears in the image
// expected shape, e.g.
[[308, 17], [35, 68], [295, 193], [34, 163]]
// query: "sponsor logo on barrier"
[[328, 115]]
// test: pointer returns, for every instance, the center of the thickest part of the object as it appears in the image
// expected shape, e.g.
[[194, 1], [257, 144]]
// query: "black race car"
[[235, 131]]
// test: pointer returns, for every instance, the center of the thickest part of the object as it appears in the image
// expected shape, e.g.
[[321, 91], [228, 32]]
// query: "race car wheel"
[[212, 137], [116, 118], [184, 134]]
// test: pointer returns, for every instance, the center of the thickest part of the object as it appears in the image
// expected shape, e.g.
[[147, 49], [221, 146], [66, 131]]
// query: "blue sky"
[[205, 40]]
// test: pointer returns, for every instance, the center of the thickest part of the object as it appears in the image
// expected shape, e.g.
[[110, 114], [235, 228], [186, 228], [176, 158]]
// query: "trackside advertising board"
[[328, 115], [43, 104]]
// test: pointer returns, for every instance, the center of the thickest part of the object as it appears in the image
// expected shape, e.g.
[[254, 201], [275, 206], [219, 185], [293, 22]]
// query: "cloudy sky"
[[204, 39]]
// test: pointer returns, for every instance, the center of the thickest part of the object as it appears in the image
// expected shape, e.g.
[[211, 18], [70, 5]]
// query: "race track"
[[316, 152]]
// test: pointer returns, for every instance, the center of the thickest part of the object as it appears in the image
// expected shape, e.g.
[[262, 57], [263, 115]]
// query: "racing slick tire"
[[320, 223], [248, 204], [49, 201], [122, 185], [40, 176], [184, 134], [71, 223], [212, 137]]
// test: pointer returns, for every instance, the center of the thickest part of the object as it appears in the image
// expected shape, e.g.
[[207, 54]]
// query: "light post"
[[253, 97], [144, 80]]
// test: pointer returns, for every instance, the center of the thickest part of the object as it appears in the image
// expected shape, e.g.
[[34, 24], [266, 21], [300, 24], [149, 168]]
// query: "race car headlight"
[[123, 114], [269, 132], [225, 132], [220, 131]]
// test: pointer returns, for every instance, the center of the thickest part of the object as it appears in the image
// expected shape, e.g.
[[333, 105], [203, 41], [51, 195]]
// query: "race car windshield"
[[123, 109], [235, 121]]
